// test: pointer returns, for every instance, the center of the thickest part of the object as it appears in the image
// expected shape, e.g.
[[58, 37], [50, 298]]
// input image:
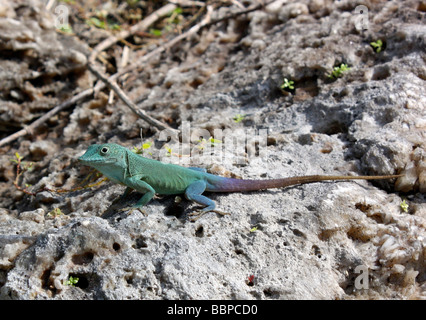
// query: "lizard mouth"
[[103, 161]]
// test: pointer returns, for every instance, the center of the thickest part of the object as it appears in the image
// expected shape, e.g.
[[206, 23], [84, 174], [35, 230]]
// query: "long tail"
[[236, 185]]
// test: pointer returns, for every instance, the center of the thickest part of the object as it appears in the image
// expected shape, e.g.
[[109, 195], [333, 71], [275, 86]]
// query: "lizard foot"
[[199, 213], [222, 213]]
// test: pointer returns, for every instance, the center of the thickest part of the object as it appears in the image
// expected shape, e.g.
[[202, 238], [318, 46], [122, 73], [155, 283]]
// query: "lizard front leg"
[[140, 186]]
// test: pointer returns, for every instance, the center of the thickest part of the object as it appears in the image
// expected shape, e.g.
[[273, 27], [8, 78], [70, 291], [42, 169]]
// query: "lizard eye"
[[104, 150]]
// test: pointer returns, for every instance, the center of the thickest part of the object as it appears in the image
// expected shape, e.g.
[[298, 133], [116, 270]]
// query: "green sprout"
[[338, 71], [115, 26], [239, 117], [145, 146], [66, 28], [377, 45], [21, 168], [156, 32], [93, 21], [213, 142], [178, 10], [102, 22], [18, 158], [55, 213], [26, 166], [404, 206], [175, 16], [288, 85], [72, 281], [169, 150], [254, 229]]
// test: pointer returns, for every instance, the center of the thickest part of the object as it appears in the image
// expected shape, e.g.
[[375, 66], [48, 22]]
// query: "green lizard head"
[[108, 155]]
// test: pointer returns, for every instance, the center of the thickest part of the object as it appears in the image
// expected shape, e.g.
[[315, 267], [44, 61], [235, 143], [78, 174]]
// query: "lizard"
[[151, 177]]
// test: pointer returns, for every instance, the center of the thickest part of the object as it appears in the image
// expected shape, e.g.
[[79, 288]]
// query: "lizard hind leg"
[[194, 193]]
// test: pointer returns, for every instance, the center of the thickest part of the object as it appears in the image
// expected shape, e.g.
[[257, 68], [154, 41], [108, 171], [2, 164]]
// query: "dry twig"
[[165, 46], [29, 129], [120, 93], [139, 27]]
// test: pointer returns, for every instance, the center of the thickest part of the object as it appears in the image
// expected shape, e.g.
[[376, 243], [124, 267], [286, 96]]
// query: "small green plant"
[[174, 20], [338, 71], [169, 150], [377, 45], [175, 16], [72, 281], [101, 21], [156, 32], [288, 85], [115, 26], [404, 206], [93, 21], [239, 117], [21, 168], [55, 213], [178, 10], [214, 141], [66, 29], [18, 158], [254, 229], [203, 142], [141, 149]]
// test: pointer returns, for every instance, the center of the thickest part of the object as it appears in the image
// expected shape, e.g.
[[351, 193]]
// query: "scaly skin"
[[151, 176]]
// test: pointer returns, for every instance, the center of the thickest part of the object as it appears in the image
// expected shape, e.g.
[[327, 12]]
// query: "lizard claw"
[[129, 210], [195, 216]]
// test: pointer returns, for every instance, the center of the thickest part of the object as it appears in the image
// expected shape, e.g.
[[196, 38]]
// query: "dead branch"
[[30, 129], [120, 93], [139, 27], [166, 46]]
